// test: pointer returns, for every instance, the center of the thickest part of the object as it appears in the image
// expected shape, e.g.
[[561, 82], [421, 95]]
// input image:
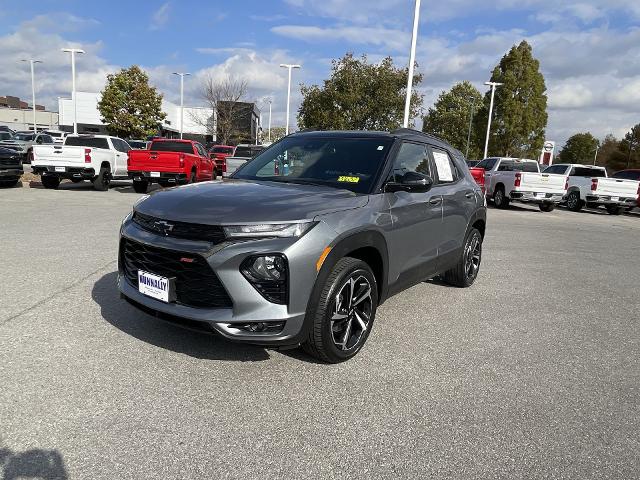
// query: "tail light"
[[87, 155], [182, 159], [594, 184], [518, 180], [566, 184]]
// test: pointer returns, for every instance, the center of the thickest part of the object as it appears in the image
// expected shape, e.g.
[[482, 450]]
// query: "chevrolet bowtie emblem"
[[164, 227]]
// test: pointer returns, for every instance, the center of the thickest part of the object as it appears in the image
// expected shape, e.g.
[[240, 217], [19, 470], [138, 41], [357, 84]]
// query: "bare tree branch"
[[223, 97]]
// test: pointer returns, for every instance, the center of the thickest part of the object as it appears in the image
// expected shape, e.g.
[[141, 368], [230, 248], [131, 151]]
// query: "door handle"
[[469, 194], [435, 201]]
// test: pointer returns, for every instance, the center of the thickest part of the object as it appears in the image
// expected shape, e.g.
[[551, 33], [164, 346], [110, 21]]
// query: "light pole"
[[269, 135], [73, 52], [289, 67], [181, 75], [471, 112], [493, 86], [595, 157], [33, 90], [412, 60]]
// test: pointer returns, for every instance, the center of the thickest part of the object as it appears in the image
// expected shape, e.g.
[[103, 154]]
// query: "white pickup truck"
[[589, 185], [98, 158], [520, 180]]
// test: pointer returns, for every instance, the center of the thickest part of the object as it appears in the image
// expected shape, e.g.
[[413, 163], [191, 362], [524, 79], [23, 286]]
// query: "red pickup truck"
[[169, 162], [478, 176], [219, 154]]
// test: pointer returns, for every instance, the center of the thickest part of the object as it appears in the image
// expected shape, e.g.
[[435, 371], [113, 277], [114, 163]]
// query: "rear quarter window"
[[91, 142]]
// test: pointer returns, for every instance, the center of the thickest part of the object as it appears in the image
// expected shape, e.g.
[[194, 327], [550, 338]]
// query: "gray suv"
[[305, 241]]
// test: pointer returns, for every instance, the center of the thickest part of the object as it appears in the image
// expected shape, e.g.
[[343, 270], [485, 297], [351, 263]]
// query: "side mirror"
[[413, 182]]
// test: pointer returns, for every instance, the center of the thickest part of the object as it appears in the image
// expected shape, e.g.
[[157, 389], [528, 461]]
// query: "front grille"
[[196, 283], [189, 231]]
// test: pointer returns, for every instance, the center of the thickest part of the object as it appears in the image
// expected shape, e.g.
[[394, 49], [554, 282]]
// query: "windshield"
[[349, 163], [93, 142], [168, 146], [225, 150], [137, 144], [25, 137], [518, 166], [54, 134], [589, 172]]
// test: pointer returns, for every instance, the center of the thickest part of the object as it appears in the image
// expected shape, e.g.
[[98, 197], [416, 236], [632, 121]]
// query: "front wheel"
[[574, 203], [466, 270], [500, 200], [345, 312], [101, 182], [140, 186], [546, 207], [9, 183], [614, 209]]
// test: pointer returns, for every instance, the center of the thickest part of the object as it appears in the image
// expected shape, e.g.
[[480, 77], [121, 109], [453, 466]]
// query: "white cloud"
[[160, 17], [379, 36]]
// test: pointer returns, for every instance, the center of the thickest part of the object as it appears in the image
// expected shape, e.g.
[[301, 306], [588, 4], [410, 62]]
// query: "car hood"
[[241, 201]]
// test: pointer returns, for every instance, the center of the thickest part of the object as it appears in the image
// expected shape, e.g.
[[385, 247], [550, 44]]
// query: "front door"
[[416, 221]]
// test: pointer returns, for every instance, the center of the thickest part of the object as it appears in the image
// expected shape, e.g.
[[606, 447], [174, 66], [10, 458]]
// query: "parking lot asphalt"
[[531, 373]]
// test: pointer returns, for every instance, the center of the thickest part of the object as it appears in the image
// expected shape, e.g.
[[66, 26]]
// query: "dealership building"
[[195, 118], [18, 115]]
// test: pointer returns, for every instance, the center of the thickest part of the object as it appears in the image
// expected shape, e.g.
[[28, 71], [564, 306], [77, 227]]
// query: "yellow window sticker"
[[347, 179]]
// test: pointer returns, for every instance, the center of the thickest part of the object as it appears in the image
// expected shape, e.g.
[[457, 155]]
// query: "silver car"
[[306, 240]]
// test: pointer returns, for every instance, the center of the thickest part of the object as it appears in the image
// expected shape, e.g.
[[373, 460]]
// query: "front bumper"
[[248, 305], [536, 197], [12, 172]]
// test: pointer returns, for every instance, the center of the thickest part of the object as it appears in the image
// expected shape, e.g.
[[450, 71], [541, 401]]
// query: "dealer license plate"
[[155, 286], [155, 174], [615, 199], [60, 169]]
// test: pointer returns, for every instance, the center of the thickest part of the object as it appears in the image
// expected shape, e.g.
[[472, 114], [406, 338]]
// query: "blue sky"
[[589, 50]]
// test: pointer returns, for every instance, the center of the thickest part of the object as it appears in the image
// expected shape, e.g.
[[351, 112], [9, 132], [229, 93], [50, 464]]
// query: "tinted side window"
[[487, 163], [445, 167], [201, 150], [505, 166], [588, 172], [412, 157]]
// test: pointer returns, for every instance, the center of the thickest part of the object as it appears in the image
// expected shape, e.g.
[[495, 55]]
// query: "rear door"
[[205, 170], [416, 229], [459, 202]]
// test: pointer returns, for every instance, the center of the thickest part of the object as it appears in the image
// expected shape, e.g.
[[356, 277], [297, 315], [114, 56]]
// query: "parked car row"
[[507, 180]]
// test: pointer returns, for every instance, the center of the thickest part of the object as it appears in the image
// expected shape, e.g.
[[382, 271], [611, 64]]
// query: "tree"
[[518, 128], [629, 147], [276, 134], [450, 116], [227, 98], [359, 96], [607, 150], [129, 106], [580, 148]]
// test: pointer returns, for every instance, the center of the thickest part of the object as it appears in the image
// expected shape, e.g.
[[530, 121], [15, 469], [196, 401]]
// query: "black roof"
[[403, 133]]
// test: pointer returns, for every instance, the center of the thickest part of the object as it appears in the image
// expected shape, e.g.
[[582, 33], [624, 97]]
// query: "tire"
[[50, 181], [573, 202], [29, 157], [500, 200], [9, 183], [465, 272], [546, 207], [140, 186], [614, 209], [214, 175], [192, 178], [101, 182], [339, 332]]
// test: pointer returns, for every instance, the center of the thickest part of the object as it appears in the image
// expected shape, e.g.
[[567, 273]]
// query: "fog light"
[[269, 275]]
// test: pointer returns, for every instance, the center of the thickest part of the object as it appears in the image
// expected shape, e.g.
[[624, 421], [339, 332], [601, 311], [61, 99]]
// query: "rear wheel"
[[193, 177], [614, 209], [50, 181], [29, 157], [345, 312], [500, 200], [214, 175], [140, 186], [466, 270], [101, 182], [546, 207], [573, 202]]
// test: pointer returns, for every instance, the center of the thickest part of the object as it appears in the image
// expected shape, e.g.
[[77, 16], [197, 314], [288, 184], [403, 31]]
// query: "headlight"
[[282, 230], [269, 275]]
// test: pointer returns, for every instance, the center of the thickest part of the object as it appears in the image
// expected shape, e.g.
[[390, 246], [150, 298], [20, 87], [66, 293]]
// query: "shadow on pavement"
[[164, 334], [33, 464]]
